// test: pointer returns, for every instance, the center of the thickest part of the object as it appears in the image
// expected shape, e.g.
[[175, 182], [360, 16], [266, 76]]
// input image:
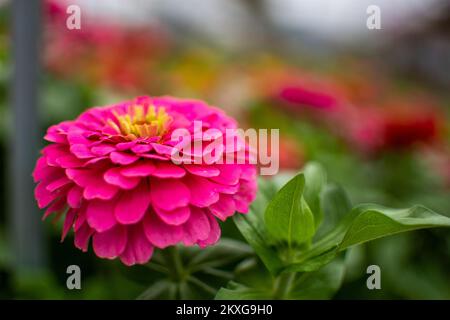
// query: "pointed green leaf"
[[371, 222], [288, 217], [335, 205], [316, 179]]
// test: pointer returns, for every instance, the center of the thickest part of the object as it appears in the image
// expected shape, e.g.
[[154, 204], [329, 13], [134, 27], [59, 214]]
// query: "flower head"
[[110, 174]]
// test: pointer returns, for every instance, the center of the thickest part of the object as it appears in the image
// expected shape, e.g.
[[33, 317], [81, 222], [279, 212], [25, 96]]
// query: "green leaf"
[[321, 284], [362, 224], [312, 263], [371, 222], [316, 179], [335, 205], [288, 217], [254, 231], [237, 291]]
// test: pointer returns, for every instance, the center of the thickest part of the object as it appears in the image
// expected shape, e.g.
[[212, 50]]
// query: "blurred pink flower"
[[102, 51], [109, 172], [304, 92]]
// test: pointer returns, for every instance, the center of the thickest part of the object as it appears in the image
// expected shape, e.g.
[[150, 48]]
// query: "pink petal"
[[43, 170], [162, 149], [43, 196], [122, 157], [142, 148], [138, 250], [221, 188], [81, 151], [100, 215], [203, 192], [249, 172], [95, 187], [74, 196], [203, 171], [175, 217], [56, 184], [100, 191], [132, 205], [94, 161], [82, 236], [111, 243], [57, 133], [138, 169], [168, 170], [80, 218], [214, 234], [154, 156], [242, 205], [125, 145], [53, 152], [56, 207], [69, 161], [160, 234], [113, 176], [223, 208], [102, 149], [169, 194], [68, 222], [196, 228], [229, 174]]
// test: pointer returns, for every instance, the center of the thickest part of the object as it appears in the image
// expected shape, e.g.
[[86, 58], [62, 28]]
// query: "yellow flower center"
[[137, 123]]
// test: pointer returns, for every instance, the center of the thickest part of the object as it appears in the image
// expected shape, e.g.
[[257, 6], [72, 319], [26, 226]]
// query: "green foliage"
[[288, 217], [301, 268], [192, 273]]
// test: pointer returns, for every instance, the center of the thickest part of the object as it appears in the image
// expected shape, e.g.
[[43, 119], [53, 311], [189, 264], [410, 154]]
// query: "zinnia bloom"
[[110, 174]]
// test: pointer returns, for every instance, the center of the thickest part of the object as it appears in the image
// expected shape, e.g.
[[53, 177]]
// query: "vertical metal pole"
[[26, 228]]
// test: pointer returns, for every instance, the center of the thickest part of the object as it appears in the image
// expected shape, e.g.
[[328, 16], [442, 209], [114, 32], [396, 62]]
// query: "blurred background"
[[372, 105]]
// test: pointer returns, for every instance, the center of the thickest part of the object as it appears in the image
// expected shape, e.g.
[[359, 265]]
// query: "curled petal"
[[82, 236], [68, 222], [203, 192], [114, 176], [111, 243], [168, 170], [202, 170], [138, 169], [138, 249], [100, 215], [196, 228], [75, 196], [122, 157], [175, 217], [163, 191], [229, 174], [224, 208], [214, 233], [132, 205], [161, 235]]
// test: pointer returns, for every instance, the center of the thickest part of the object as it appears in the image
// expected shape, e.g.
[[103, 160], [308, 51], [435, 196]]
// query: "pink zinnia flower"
[[110, 174]]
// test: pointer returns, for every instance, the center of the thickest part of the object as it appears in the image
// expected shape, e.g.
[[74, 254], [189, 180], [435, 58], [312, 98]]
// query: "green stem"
[[179, 273], [283, 285]]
